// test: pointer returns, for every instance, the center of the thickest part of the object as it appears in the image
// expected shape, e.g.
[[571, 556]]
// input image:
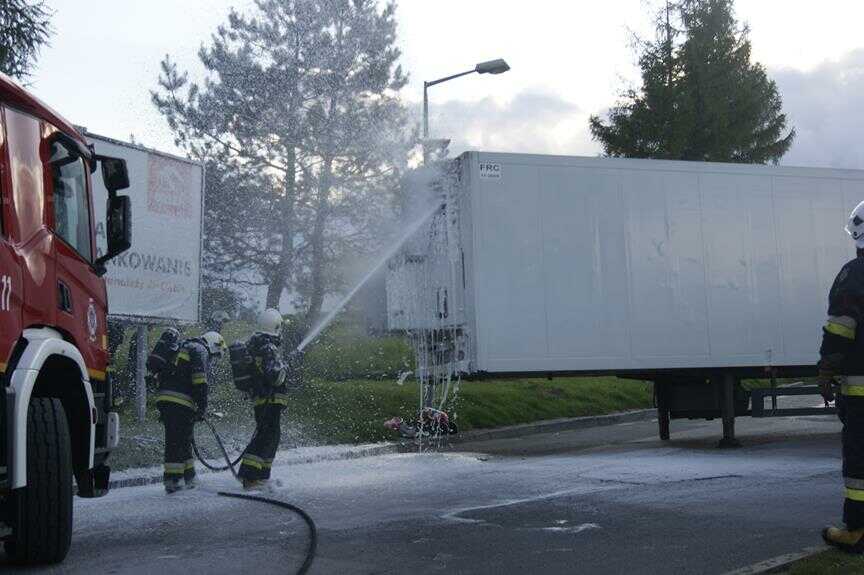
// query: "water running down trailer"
[[692, 275]]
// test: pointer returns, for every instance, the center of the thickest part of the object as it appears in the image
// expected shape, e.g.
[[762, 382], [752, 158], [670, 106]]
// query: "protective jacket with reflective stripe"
[[186, 384], [842, 352]]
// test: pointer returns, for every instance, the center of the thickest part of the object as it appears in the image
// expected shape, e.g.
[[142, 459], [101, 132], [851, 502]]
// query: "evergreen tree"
[[301, 126], [701, 96], [24, 30]]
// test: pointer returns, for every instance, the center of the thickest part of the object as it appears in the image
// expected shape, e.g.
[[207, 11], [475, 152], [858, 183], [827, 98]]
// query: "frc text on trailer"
[[55, 418]]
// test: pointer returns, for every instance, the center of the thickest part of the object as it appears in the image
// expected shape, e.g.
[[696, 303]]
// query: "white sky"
[[568, 59]]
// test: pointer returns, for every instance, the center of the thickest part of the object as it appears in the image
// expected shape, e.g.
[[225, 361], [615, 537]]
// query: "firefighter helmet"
[[270, 321], [215, 343], [855, 225]]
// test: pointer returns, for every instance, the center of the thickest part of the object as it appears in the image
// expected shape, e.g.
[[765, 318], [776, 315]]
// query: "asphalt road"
[[602, 500]]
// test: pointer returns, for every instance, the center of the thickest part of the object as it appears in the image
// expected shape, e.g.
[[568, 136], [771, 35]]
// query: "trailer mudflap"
[[758, 397]]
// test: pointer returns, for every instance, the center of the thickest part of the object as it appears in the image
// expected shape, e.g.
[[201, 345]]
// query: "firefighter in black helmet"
[[267, 390], [182, 400], [842, 362]]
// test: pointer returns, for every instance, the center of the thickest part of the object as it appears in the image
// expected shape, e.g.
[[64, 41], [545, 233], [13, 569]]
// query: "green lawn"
[[351, 390], [353, 411], [828, 563]]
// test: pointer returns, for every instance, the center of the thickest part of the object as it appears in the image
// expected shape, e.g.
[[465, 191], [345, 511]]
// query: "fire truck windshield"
[[71, 209]]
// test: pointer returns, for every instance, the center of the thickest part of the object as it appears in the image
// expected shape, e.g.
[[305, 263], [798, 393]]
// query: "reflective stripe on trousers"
[[175, 468], [277, 399], [256, 462], [176, 397]]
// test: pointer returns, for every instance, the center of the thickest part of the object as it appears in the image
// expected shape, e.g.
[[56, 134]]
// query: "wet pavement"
[[603, 500]]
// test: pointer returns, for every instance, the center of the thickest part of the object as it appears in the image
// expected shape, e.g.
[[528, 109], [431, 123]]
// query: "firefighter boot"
[[172, 485], [254, 484], [845, 540], [191, 482]]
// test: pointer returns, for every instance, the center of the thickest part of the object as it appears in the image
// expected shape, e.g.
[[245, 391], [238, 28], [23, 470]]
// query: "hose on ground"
[[313, 530], [230, 464]]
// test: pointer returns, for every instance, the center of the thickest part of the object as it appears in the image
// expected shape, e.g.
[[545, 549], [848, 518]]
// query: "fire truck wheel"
[[42, 511]]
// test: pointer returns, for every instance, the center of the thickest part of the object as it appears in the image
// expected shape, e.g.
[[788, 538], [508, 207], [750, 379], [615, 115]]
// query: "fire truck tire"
[[42, 511]]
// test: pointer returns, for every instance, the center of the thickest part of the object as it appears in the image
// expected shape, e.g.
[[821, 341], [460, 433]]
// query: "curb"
[[555, 426], [778, 564], [370, 451], [510, 432]]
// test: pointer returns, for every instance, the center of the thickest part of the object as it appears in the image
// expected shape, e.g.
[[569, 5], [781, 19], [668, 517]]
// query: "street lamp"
[[491, 67]]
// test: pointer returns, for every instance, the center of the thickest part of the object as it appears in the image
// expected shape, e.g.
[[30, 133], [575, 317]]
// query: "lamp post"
[[498, 66]]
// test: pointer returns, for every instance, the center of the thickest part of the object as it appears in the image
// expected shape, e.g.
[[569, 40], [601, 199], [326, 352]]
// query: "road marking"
[[454, 515]]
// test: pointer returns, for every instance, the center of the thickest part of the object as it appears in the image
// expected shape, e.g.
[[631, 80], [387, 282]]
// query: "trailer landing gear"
[[661, 393], [728, 382], [701, 397]]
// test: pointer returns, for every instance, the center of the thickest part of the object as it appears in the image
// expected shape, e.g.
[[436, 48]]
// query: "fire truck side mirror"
[[115, 176], [119, 224], [114, 173], [119, 229]]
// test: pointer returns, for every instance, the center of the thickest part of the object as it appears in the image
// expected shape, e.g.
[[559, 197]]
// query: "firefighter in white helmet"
[[263, 376], [841, 373]]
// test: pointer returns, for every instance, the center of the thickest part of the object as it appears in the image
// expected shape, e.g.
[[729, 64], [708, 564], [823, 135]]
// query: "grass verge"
[[830, 562], [353, 411]]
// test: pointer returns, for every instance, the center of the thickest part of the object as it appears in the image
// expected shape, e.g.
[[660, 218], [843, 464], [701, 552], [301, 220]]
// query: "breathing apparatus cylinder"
[[162, 357], [242, 367]]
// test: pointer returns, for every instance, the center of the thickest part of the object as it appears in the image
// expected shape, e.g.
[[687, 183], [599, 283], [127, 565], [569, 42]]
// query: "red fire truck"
[[56, 422]]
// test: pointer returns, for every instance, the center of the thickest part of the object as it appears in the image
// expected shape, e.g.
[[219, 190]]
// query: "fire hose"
[[313, 531], [229, 464]]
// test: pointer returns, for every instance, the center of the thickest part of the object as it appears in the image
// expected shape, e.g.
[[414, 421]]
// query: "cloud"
[[826, 107], [532, 122], [824, 104]]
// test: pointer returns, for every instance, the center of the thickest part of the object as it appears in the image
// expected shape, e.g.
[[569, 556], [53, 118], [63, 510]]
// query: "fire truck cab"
[[56, 422]]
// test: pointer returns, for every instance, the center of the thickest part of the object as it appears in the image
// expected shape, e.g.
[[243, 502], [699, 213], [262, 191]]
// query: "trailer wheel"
[[42, 511]]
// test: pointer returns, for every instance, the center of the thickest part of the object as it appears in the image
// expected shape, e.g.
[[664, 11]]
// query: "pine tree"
[[300, 123], [24, 29], [701, 96]]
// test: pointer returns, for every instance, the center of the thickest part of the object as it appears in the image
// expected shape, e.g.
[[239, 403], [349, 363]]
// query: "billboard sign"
[[159, 278]]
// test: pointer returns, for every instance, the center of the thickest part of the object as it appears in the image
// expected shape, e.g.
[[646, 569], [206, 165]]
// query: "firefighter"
[[182, 401], [267, 390], [842, 358], [115, 340], [217, 320]]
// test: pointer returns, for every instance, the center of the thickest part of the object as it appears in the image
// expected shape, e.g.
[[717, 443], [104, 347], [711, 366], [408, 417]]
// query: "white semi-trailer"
[[692, 275]]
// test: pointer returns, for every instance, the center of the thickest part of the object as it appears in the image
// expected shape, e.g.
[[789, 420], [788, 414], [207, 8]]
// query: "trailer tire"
[[42, 511]]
